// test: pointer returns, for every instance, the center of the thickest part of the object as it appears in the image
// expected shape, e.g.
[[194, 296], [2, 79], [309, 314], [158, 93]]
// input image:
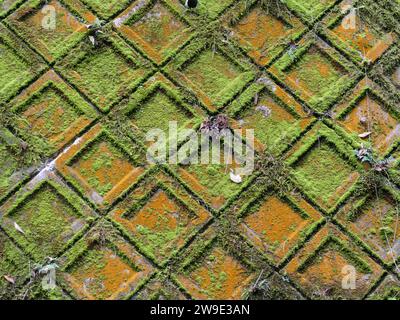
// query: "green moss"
[[213, 8], [51, 43], [212, 72], [13, 262], [308, 71], [101, 162], [38, 293], [46, 118], [13, 70], [322, 171], [168, 225], [157, 243], [317, 74], [58, 41], [48, 221], [218, 280], [383, 73], [158, 111], [106, 9], [92, 260], [8, 166], [18, 65], [391, 293], [215, 178], [58, 115], [321, 78], [104, 75], [276, 130], [125, 151], [310, 9], [388, 216], [212, 69], [8, 5], [161, 27], [333, 243]]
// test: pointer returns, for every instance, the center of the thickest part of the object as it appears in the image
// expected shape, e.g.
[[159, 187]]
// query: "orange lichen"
[[160, 226], [263, 34], [323, 277], [103, 265], [103, 170], [276, 227], [218, 277], [313, 73], [158, 32], [52, 114], [164, 222], [360, 36], [376, 224], [50, 35], [105, 165], [328, 270], [104, 277], [370, 43], [371, 114]]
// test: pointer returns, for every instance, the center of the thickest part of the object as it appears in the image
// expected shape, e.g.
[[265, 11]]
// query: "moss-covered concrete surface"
[[83, 81]]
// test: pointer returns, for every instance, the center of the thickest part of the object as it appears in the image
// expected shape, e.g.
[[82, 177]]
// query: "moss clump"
[[106, 9], [274, 130], [157, 243], [317, 71], [215, 179], [8, 166], [212, 72], [322, 171], [47, 220], [12, 69], [213, 8], [310, 9], [52, 43], [13, 263], [50, 114], [99, 163], [157, 112], [104, 75]]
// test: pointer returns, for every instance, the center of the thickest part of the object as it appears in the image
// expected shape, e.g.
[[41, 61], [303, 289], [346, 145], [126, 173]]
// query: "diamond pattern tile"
[[104, 110]]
